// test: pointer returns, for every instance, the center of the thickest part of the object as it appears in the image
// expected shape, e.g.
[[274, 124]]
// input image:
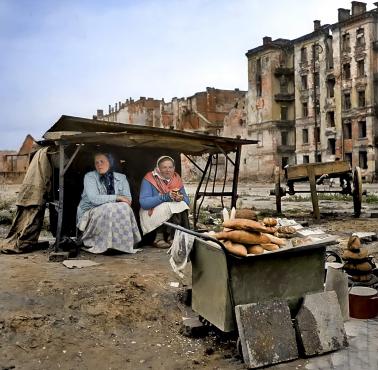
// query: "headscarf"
[[108, 178]]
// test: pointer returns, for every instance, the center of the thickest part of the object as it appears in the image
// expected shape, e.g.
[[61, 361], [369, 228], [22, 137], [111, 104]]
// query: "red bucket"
[[363, 302]]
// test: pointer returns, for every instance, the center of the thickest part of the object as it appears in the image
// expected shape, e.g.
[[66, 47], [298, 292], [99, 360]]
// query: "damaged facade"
[[204, 111], [314, 99]]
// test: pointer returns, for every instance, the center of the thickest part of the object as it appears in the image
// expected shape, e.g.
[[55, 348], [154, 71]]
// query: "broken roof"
[[77, 130]]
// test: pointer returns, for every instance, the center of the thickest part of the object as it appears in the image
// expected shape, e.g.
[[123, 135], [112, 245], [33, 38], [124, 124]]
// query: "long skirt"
[[109, 226]]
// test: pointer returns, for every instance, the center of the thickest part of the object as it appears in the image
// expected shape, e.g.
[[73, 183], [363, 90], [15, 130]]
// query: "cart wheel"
[[277, 188], [357, 191]]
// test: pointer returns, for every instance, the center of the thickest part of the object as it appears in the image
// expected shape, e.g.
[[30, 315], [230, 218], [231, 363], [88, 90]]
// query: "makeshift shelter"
[[136, 149]]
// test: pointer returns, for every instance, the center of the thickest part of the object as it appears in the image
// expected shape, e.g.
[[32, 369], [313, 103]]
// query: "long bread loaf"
[[243, 237], [247, 225], [235, 248]]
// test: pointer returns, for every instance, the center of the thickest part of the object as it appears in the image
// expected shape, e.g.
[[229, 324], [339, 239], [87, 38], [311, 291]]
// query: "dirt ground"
[[121, 314]]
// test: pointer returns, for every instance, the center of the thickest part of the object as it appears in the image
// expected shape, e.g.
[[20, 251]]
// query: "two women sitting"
[[104, 214]]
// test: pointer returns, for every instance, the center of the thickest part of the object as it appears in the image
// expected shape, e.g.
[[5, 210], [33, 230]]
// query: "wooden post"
[[314, 194], [236, 177], [61, 197]]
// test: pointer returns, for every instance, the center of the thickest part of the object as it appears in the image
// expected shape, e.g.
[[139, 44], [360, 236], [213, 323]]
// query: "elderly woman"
[[163, 198], [104, 214]]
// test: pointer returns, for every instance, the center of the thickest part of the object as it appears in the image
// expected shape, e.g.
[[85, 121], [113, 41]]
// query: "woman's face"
[[102, 164], [167, 169]]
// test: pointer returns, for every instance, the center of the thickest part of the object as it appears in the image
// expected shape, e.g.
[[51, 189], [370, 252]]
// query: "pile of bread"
[[242, 236], [357, 263]]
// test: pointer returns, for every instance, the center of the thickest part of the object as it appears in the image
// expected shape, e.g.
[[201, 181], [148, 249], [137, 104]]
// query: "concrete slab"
[[266, 333], [320, 324]]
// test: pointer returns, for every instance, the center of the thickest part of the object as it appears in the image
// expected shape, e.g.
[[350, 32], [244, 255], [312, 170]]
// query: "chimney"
[[267, 40], [110, 109], [317, 25], [100, 113], [358, 8], [343, 14], [116, 106]]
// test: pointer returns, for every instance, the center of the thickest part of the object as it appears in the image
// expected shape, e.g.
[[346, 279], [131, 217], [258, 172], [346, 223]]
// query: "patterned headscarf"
[[108, 178]]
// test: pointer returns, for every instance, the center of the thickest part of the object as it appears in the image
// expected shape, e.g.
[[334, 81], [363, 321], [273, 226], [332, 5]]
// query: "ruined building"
[[204, 111], [314, 98]]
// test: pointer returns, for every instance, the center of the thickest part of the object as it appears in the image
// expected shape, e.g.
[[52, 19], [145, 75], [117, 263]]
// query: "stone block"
[[193, 327], [266, 333], [320, 325], [58, 256]]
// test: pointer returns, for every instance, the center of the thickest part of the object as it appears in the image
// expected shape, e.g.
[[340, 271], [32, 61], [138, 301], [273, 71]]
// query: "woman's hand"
[[176, 196], [122, 198]]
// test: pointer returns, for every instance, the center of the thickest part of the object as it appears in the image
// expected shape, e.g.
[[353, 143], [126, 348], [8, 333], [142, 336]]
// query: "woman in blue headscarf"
[[104, 214]]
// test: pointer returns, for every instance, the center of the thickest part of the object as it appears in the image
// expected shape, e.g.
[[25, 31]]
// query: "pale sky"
[[75, 56]]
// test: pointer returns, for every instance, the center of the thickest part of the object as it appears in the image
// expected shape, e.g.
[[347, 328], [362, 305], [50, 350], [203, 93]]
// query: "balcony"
[[286, 71], [286, 148], [284, 97]]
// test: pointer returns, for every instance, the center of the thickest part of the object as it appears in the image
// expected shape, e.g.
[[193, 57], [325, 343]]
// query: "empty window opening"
[[331, 119], [362, 129], [316, 79], [317, 134], [346, 71], [361, 98], [305, 136], [361, 68], [363, 160], [318, 157], [349, 158], [360, 37], [347, 130], [303, 55], [346, 42], [306, 159], [331, 87], [284, 162], [284, 113], [331, 146], [258, 78], [304, 109], [347, 102], [304, 82]]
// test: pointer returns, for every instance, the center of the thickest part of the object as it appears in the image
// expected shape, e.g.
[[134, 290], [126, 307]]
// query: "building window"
[[305, 136], [284, 162], [347, 103], [331, 146], [284, 113], [304, 109], [348, 157], [303, 55], [331, 87], [284, 137], [347, 130], [346, 42], [317, 134], [317, 107], [346, 71], [361, 98], [304, 82], [363, 160], [362, 129], [283, 85], [306, 159], [361, 68], [316, 79], [258, 78], [360, 37], [331, 119], [318, 158]]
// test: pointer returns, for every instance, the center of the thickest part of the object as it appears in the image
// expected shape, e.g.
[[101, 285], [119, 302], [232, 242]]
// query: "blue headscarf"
[[108, 178]]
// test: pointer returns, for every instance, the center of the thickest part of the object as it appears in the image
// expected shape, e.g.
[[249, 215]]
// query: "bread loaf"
[[361, 278], [269, 221], [273, 239], [246, 213], [247, 225], [243, 237], [286, 230], [255, 249], [235, 248], [354, 243], [270, 247], [364, 266], [354, 255]]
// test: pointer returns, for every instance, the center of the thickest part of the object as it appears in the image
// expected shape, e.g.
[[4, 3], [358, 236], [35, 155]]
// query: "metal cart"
[[315, 173], [221, 281]]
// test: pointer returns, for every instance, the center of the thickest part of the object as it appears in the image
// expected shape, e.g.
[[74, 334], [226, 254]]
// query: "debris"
[[193, 327], [79, 263], [174, 284], [266, 333], [320, 324], [58, 256], [366, 237]]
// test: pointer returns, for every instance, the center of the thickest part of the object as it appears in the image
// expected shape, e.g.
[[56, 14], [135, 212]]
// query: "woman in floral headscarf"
[[104, 214], [163, 198]]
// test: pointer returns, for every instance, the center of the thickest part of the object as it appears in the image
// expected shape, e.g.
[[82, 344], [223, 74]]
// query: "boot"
[[160, 242]]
